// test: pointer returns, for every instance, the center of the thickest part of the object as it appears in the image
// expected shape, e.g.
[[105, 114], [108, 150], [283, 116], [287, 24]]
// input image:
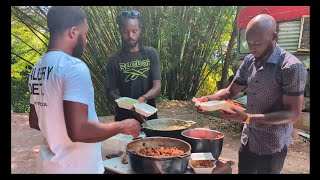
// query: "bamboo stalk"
[[26, 44], [22, 58]]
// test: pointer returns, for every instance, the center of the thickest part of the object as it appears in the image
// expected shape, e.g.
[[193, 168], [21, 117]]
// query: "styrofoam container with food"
[[220, 105], [212, 105], [229, 104], [145, 109], [126, 102], [202, 163]]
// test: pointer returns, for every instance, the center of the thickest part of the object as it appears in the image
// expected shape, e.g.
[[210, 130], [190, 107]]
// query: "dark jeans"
[[251, 163]]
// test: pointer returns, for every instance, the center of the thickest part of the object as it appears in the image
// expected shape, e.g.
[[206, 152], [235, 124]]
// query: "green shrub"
[[20, 95]]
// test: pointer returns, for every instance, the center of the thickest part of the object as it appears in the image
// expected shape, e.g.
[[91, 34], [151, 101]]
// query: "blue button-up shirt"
[[283, 74]]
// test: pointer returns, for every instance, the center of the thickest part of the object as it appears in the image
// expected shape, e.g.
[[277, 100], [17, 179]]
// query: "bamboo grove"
[[193, 42]]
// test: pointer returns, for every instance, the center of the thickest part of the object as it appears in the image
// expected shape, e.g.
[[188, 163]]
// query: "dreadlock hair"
[[60, 18], [121, 21]]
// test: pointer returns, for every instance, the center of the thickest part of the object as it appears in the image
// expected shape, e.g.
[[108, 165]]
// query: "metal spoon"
[[142, 119], [146, 122]]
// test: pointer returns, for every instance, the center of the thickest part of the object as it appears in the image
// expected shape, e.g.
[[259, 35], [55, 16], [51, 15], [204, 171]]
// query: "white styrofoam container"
[[145, 109], [202, 157], [219, 105], [126, 102], [212, 105]]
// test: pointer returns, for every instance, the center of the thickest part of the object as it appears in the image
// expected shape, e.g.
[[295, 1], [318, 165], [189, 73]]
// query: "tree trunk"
[[224, 79]]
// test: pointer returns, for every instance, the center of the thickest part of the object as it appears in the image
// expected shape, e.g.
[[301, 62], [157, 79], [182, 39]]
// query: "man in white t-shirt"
[[62, 100]]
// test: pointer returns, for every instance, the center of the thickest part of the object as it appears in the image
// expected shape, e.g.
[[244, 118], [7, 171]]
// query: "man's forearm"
[[227, 93], [33, 118], [152, 93], [222, 94], [275, 118], [35, 126], [98, 131]]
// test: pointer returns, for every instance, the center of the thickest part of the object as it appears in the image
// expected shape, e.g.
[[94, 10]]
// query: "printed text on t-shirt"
[[135, 69], [38, 74]]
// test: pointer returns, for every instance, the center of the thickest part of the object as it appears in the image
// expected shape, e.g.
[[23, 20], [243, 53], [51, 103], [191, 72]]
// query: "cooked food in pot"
[[218, 136], [202, 163], [174, 127], [160, 151]]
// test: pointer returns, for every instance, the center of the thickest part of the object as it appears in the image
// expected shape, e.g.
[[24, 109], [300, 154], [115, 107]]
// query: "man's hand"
[[142, 99], [130, 127], [198, 101], [203, 99], [236, 115]]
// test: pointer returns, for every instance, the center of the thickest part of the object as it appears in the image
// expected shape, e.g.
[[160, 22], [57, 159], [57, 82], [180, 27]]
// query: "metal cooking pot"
[[156, 164], [158, 127], [203, 140]]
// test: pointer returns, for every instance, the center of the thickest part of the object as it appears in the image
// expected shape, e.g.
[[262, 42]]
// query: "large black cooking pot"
[[163, 127], [204, 140], [156, 164]]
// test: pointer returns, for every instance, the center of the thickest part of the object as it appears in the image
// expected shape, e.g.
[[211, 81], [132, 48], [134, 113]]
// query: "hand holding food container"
[[214, 105], [228, 108], [142, 108]]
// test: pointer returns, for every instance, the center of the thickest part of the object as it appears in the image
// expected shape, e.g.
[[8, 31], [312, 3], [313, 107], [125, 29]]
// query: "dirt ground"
[[25, 141]]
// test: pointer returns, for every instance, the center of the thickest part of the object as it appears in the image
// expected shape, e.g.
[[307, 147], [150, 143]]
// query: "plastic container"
[[126, 102], [202, 163], [145, 109]]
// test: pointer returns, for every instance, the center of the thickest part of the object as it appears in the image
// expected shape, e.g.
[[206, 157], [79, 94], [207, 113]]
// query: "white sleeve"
[[77, 83]]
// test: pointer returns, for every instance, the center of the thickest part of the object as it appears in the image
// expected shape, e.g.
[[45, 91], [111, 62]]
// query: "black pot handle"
[[191, 122], [124, 159], [184, 155], [136, 138]]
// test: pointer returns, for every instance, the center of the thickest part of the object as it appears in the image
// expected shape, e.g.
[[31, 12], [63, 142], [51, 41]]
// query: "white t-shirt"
[[58, 76]]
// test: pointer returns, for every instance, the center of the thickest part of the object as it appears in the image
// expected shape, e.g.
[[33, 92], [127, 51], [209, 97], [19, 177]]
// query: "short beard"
[[130, 45], [267, 53], [127, 45], [78, 49]]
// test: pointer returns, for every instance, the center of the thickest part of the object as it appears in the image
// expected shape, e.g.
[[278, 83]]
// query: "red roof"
[[279, 13]]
